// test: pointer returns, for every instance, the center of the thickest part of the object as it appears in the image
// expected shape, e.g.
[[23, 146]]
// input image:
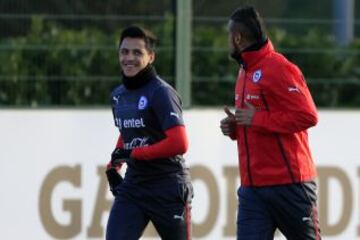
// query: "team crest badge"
[[257, 76], [142, 103]]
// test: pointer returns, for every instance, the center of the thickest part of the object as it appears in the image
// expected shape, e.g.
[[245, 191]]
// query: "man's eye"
[[137, 53], [123, 51]]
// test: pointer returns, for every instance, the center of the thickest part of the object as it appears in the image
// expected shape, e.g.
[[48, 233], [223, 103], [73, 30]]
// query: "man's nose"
[[130, 57]]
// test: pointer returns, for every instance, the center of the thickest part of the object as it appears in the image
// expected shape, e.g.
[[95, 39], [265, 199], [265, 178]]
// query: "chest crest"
[[143, 103], [257, 76]]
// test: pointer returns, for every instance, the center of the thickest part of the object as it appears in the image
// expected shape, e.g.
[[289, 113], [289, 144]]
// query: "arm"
[[120, 145], [175, 143], [294, 108], [166, 105], [113, 177]]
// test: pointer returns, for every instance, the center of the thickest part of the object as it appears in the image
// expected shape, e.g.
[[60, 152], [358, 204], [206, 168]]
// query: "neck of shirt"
[[140, 79]]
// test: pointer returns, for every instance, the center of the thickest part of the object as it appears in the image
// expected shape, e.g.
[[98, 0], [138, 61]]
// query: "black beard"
[[236, 55]]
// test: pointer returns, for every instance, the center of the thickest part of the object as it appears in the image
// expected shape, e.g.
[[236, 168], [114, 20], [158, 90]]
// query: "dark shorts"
[[289, 208], [166, 204]]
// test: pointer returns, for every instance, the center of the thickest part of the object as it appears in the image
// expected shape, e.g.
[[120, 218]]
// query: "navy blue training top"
[[143, 114]]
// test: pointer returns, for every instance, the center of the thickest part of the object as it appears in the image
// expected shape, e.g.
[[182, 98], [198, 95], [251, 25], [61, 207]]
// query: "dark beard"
[[236, 55]]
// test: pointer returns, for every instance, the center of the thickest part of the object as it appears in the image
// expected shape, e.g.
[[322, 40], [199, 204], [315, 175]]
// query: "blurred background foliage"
[[65, 54]]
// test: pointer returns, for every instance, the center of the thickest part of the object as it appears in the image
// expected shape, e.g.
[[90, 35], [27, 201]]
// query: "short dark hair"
[[138, 32], [248, 22]]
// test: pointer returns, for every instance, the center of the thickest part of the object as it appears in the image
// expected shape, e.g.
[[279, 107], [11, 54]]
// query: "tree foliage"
[[53, 65]]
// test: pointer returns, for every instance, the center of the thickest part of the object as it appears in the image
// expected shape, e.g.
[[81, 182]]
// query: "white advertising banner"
[[53, 186]]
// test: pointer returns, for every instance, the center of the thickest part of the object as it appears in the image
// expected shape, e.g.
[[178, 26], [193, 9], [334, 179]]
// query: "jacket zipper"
[[246, 137]]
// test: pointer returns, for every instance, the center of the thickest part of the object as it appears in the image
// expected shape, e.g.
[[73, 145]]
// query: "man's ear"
[[152, 57], [237, 39]]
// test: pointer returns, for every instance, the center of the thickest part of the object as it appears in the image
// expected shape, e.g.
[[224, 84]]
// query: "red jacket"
[[274, 149]]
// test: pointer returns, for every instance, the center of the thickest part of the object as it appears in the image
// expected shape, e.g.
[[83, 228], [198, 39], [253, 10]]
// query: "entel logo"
[[130, 123]]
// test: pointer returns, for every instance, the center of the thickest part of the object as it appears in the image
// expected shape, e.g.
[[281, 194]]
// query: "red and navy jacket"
[[149, 117], [274, 149]]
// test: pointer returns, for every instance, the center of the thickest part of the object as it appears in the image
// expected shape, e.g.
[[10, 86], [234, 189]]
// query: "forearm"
[[284, 122], [175, 143], [119, 144]]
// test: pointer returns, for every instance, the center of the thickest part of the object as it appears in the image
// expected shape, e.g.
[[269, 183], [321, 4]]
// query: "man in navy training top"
[[148, 114]]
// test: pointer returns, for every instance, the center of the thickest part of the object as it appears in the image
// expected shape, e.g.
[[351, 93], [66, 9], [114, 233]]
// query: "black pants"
[[166, 204], [289, 208]]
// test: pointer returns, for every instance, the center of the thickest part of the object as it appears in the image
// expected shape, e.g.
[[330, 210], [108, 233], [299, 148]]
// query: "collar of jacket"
[[140, 79], [250, 57]]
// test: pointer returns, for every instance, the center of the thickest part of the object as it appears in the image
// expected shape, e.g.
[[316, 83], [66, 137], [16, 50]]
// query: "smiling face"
[[134, 56]]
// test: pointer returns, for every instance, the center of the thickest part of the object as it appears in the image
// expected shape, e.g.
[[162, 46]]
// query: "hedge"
[[56, 66]]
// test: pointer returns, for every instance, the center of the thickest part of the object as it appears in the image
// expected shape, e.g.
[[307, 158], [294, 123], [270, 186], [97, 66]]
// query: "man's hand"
[[244, 116], [114, 179], [119, 156], [228, 124]]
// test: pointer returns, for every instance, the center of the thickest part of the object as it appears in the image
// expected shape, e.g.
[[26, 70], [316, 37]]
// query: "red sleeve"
[[290, 106], [174, 143], [119, 144]]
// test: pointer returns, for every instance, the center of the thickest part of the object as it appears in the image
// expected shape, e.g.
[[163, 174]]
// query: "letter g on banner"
[[51, 225]]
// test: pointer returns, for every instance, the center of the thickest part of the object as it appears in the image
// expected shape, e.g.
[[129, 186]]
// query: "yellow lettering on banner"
[[102, 205], [325, 174], [231, 175], [204, 174], [53, 227], [65, 174]]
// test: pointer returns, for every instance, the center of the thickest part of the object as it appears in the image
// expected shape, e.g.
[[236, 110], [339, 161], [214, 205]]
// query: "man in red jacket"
[[274, 109]]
